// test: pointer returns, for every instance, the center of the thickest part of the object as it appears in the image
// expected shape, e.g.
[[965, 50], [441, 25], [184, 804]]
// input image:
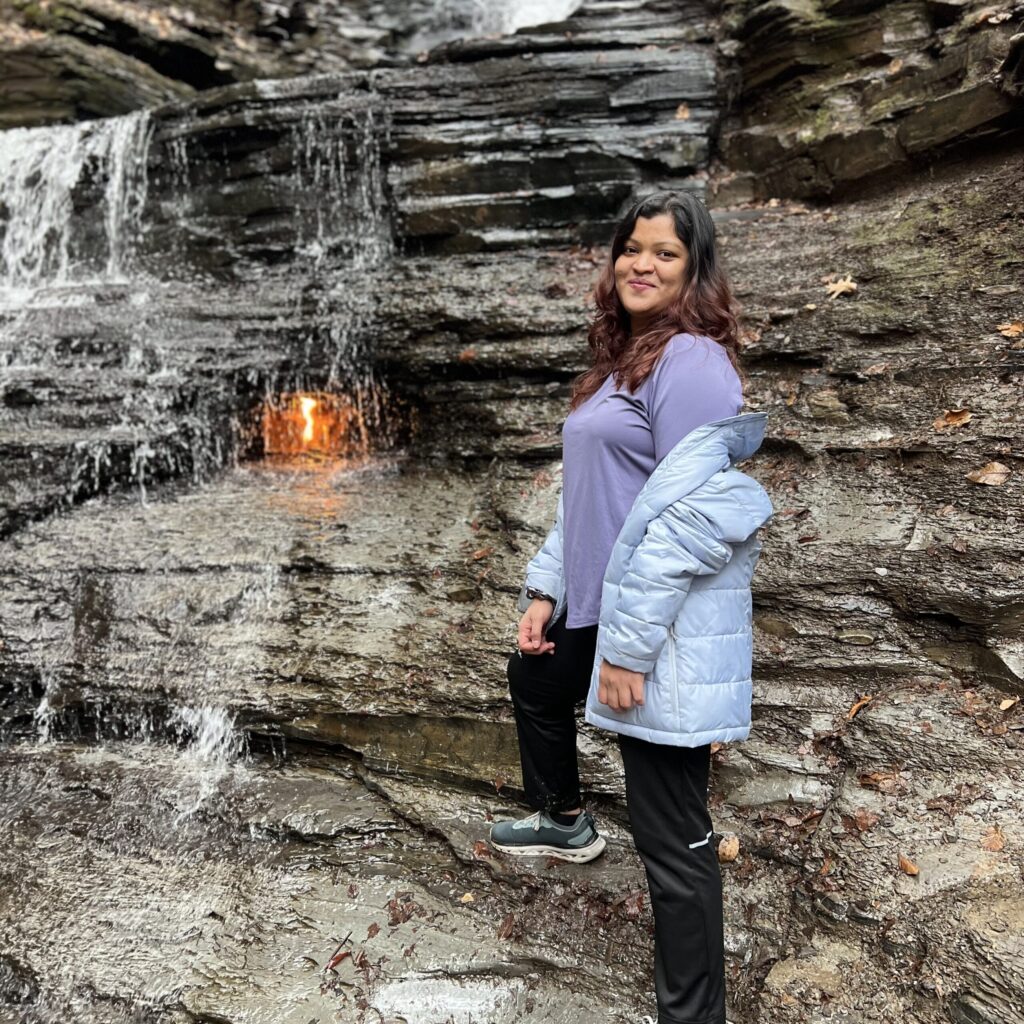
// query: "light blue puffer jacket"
[[675, 602]]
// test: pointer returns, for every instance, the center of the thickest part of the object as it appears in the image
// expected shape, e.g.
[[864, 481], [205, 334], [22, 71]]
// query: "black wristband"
[[533, 593]]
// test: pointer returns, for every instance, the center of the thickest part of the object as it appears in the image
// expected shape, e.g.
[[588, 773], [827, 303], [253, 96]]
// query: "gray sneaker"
[[539, 836]]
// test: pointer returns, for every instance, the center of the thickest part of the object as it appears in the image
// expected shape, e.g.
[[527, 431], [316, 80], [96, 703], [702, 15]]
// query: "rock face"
[[279, 683], [831, 95]]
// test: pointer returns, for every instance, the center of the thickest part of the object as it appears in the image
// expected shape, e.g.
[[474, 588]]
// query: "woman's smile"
[[650, 270]]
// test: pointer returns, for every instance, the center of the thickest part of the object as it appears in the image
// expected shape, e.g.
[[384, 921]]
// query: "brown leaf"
[[507, 926], [372, 931], [729, 849], [481, 850], [1011, 329], [499, 781], [1005, 705], [856, 707], [952, 418], [884, 782], [336, 959], [864, 819], [682, 112], [994, 840], [467, 355], [992, 473], [875, 369], [482, 553], [908, 867]]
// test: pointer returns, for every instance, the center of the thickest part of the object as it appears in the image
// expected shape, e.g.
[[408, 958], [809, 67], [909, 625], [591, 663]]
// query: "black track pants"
[[666, 794]]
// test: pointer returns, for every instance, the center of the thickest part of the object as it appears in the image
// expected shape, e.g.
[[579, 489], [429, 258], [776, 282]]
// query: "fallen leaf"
[[499, 781], [467, 897], [875, 369], [682, 112], [952, 418], [336, 959], [864, 819], [842, 286], [994, 840], [992, 473], [371, 932], [481, 850], [908, 867], [811, 305], [729, 849], [856, 707], [1011, 329], [1005, 705], [895, 66], [482, 553], [884, 782], [507, 926], [467, 355]]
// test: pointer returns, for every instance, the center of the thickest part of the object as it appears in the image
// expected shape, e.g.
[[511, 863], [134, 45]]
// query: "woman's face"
[[649, 272]]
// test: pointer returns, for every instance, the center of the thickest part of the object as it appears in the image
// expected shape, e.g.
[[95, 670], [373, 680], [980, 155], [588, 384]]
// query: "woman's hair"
[[704, 307]]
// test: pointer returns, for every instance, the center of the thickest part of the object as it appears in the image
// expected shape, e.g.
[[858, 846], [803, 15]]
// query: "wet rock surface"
[[308, 896], [831, 95]]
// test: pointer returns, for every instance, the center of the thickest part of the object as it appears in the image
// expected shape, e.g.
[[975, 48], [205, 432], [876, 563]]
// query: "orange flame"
[[308, 405], [321, 423]]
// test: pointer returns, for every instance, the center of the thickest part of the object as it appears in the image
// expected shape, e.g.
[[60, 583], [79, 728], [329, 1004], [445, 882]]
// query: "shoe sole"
[[580, 856]]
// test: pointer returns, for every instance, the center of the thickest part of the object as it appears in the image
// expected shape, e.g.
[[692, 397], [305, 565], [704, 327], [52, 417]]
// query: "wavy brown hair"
[[704, 307]]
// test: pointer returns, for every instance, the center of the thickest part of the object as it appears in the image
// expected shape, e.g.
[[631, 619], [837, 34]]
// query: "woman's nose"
[[642, 263]]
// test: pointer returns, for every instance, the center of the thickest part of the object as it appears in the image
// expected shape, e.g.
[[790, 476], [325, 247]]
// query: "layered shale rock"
[[831, 94]]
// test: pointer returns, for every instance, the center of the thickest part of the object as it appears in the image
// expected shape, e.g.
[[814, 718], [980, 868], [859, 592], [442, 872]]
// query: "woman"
[[639, 599]]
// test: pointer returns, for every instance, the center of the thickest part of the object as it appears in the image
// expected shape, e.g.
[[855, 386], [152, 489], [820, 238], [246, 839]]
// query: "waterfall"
[[51, 180], [456, 19]]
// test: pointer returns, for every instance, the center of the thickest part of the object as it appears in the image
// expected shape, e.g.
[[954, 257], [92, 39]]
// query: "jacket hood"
[[698, 456]]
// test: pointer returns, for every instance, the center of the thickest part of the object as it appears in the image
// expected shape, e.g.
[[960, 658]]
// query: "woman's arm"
[[544, 571]]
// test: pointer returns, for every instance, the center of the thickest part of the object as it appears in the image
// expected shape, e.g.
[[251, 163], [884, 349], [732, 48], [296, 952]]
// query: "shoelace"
[[533, 821]]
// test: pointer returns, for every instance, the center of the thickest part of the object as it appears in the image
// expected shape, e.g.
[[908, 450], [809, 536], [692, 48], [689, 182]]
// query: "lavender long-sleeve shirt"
[[611, 444]]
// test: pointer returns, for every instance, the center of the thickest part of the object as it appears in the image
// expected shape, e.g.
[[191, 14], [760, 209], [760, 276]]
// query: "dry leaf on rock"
[[992, 473], [1011, 329], [908, 867], [1005, 705], [856, 707], [994, 840], [884, 782], [952, 418], [729, 849], [682, 112], [841, 286]]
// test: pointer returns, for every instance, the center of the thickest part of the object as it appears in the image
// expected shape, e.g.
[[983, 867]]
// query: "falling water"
[[45, 173]]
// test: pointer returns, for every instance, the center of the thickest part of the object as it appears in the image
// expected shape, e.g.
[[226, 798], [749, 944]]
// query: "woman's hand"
[[531, 628], [619, 688]]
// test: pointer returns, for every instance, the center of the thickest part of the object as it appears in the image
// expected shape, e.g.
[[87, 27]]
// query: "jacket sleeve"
[[544, 571], [694, 536]]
